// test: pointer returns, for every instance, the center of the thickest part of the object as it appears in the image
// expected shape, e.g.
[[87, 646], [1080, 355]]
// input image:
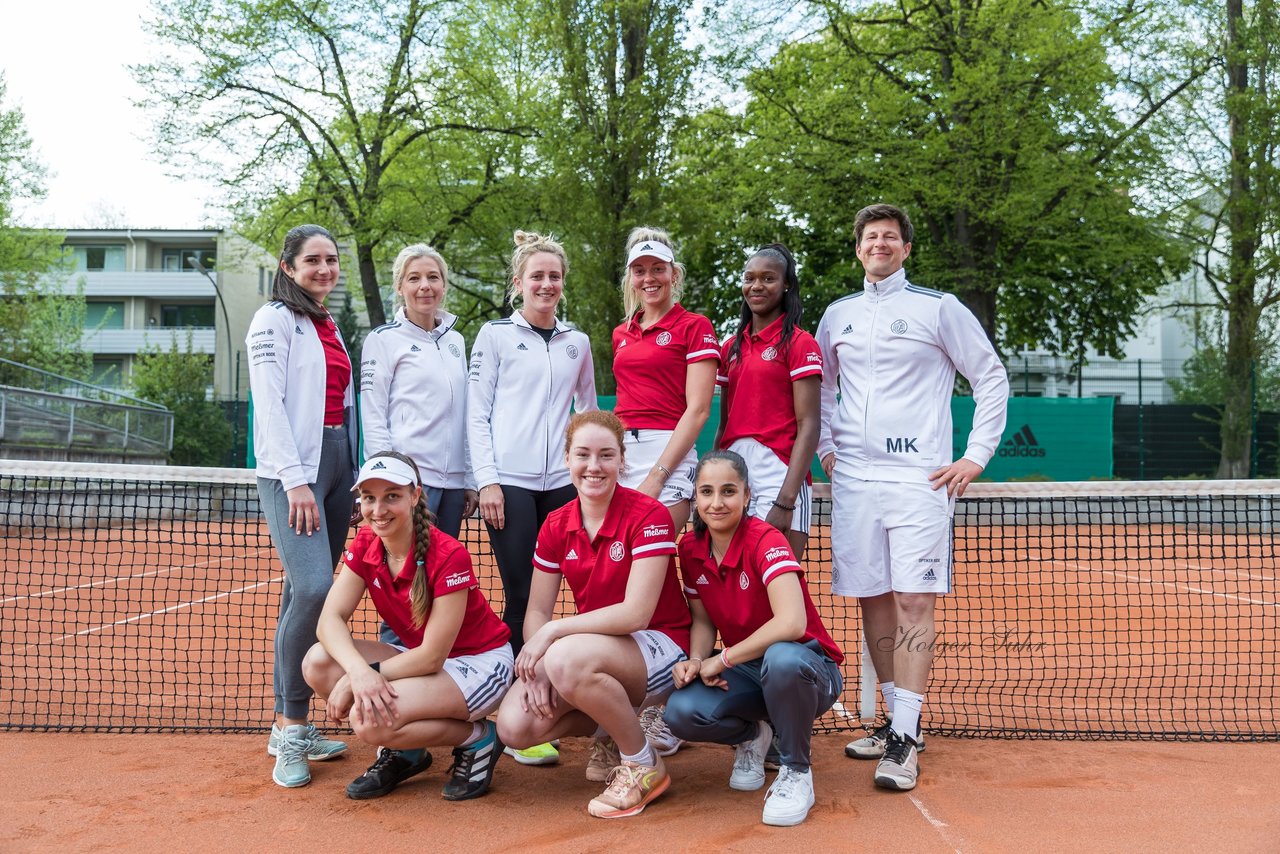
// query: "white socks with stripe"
[[906, 718], [887, 691]]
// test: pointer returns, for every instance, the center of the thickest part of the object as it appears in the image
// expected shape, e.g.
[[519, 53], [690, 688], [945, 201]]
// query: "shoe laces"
[[746, 756], [385, 756], [789, 780], [292, 747], [897, 749], [605, 751], [882, 731], [654, 724], [622, 779]]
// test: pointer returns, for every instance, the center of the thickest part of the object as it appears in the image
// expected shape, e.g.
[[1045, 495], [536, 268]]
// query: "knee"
[[515, 728], [370, 732], [569, 665], [317, 668], [915, 608], [787, 664]]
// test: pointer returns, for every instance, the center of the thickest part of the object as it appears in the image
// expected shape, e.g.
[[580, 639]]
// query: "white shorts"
[[483, 679], [643, 451], [767, 474], [660, 655], [889, 537]]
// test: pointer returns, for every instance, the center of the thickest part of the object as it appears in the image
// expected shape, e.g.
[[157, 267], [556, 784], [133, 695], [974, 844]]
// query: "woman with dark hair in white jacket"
[[304, 438], [527, 370]]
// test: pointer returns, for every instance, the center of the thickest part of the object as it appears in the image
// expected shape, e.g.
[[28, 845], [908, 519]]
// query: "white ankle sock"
[[906, 721], [644, 757], [888, 691]]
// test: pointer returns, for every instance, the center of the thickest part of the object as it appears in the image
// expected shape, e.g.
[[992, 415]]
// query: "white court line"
[[949, 836], [1127, 577], [137, 617], [121, 578], [1202, 568]]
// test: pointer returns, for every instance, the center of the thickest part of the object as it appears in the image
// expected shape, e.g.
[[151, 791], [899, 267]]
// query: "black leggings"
[[524, 510]]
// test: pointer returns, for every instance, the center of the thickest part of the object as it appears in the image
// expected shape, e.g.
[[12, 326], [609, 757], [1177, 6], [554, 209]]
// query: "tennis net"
[[137, 598]]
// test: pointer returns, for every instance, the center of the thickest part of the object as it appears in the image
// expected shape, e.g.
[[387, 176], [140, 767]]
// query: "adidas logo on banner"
[[378, 465], [572, 555], [1022, 444], [521, 346], [847, 329], [702, 579], [414, 348]]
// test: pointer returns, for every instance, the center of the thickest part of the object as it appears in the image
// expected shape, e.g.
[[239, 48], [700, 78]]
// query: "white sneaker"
[[664, 741], [899, 767], [748, 760], [789, 799]]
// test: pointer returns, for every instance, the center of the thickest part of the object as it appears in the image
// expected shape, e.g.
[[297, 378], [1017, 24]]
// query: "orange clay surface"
[[94, 792]]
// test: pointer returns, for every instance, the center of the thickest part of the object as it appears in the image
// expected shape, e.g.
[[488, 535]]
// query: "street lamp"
[[226, 322]]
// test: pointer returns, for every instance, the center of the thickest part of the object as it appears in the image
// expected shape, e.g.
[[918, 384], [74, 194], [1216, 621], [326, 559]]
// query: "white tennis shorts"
[[767, 473], [889, 537], [483, 679], [643, 451], [660, 655]]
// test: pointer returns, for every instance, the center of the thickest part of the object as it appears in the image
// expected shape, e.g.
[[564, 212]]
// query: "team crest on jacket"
[[453, 348], [663, 339], [572, 351], [744, 581], [769, 354], [616, 551], [898, 327]]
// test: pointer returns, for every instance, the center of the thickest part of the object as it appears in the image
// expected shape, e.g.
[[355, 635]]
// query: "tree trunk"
[[369, 284]]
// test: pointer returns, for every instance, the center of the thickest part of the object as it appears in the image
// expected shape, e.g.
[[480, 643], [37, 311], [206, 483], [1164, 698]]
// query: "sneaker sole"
[[786, 820], [296, 785], [386, 790], [665, 749], [607, 811], [893, 784], [852, 752], [741, 785], [535, 760]]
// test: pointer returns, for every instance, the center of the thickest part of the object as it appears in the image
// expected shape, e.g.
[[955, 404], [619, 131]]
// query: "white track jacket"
[[287, 376], [520, 389], [890, 356], [413, 397]]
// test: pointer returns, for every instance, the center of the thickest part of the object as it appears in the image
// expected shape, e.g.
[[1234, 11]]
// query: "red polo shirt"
[[597, 569], [734, 592], [650, 366], [337, 372], [756, 387], [448, 571]]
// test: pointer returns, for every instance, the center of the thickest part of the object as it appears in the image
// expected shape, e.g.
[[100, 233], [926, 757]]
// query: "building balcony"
[[130, 341], [144, 284]]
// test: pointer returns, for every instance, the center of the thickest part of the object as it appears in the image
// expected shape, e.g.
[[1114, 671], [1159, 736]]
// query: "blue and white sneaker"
[[291, 769], [319, 748], [473, 765]]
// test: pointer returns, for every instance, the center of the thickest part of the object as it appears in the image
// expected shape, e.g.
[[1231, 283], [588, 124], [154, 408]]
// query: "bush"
[[181, 380]]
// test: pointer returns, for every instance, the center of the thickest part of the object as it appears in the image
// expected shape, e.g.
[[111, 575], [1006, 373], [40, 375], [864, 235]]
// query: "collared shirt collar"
[[664, 322], [772, 332], [611, 516]]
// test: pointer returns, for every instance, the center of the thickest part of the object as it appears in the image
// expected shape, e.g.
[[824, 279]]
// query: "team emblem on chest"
[[453, 348], [769, 354], [616, 551], [898, 327], [663, 339], [572, 351], [744, 580]]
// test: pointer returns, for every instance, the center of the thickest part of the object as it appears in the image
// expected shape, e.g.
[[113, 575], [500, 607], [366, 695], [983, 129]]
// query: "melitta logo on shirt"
[[744, 580], [711, 340], [457, 578], [769, 354], [617, 551], [775, 553], [655, 530], [663, 339]]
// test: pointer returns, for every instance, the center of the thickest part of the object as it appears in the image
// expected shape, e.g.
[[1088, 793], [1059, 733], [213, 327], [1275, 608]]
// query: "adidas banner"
[[1045, 438]]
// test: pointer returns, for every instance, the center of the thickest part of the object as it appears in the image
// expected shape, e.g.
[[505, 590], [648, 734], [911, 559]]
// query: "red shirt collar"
[[665, 322], [611, 516]]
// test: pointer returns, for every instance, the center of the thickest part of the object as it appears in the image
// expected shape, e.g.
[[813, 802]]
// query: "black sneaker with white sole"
[[898, 768], [473, 765], [872, 745], [389, 770]]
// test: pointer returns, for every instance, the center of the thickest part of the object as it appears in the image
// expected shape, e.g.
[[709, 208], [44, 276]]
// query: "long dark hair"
[[420, 589], [791, 307], [739, 465], [284, 288]]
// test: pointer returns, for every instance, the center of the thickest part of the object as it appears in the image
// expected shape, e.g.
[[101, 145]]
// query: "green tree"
[[180, 379], [995, 124], [313, 106], [40, 324]]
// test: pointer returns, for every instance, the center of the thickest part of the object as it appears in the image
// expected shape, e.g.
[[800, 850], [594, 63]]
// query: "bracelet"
[[781, 506], [376, 665], [660, 467], [724, 658], [699, 660]]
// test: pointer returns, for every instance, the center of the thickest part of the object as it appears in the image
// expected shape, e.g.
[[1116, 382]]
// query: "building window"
[[104, 315], [184, 260], [108, 372], [187, 315], [94, 259]]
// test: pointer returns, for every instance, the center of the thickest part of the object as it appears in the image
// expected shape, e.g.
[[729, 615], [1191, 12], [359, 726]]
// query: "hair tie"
[[422, 563]]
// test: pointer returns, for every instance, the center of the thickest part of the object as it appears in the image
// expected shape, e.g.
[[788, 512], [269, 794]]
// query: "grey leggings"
[[308, 562], [790, 685]]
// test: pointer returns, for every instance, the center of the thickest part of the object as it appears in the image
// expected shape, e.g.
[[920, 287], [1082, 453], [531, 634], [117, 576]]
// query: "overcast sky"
[[65, 64]]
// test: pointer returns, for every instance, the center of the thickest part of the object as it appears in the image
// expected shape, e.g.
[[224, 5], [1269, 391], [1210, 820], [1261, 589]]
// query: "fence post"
[[1026, 376], [1142, 437]]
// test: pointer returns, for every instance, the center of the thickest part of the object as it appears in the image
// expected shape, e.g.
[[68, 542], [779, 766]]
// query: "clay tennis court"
[[1095, 630]]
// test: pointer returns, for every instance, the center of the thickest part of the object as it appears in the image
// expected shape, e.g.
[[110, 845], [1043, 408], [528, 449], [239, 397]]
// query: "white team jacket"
[[287, 375], [892, 351], [520, 388], [413, 395]]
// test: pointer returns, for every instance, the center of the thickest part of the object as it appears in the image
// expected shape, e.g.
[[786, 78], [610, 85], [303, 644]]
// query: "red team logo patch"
[[744, 581], [663, 339], [616, 551]]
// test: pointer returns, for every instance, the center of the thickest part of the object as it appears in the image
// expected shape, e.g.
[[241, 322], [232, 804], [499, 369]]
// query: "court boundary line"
[[949, 836], [1138, 578]]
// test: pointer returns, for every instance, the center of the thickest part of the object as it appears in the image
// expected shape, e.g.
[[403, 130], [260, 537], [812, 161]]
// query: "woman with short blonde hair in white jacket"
[[526, 372], [304, 438]]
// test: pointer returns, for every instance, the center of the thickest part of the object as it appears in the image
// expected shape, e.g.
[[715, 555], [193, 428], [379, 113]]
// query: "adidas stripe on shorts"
[[483, 679], [660, 655], [888, 536], [767, 473]]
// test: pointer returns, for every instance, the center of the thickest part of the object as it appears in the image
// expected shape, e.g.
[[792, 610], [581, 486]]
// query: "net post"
[[867, 684]]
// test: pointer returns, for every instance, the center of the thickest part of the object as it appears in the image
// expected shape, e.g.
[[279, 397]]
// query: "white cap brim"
[[651, 249], [388, 469]]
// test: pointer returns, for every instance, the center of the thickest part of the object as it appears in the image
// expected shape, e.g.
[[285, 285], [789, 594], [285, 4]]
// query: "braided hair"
[[423, 519]]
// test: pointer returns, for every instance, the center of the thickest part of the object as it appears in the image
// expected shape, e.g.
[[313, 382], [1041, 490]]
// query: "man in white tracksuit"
[[890, 353]]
